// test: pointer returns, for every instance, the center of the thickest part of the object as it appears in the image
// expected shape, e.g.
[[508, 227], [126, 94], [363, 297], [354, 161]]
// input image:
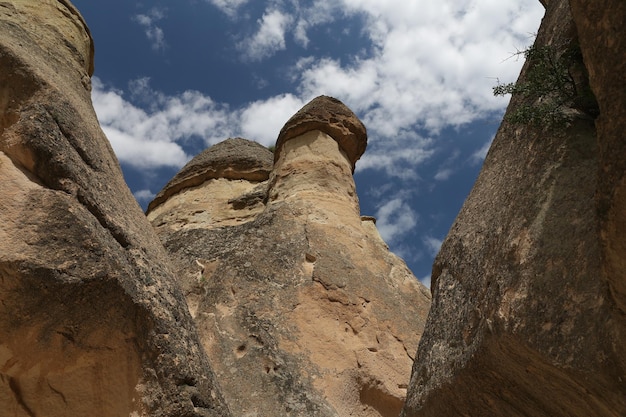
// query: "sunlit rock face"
[[223, 186], [301, 307], [528, 288], [92, 322]]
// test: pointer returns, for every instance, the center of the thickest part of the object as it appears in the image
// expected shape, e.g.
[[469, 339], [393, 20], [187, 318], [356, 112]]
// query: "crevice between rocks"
[[17, 393]]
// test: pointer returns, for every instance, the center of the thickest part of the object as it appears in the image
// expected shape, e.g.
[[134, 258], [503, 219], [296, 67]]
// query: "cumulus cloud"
[[394, 219], [269, 38], [154, 137], [262, 120], [428, 66], [148, 22], [432, 245], [431, 64], [144, 195], [319, 12], [396, 159], [229, 7]]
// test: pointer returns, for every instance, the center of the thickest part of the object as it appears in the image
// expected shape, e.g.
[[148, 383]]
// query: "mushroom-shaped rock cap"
[[332, 117], [235, 159]]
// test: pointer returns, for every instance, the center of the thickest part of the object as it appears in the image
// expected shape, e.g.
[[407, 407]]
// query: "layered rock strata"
[[92, 322], [528, 288], [301, 307], [236, 169]]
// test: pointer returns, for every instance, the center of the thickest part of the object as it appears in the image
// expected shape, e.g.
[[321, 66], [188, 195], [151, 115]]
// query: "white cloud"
[[154, 137], [449, 166], [144, 195], [429, 65], [153, 32], [320, 12], [479, 156], [432, 62], [142, 153], [270, 37], [300, 34], [394, 219], [397, 159], [262, 120], [443, 174], [229, 7], [432, 244]]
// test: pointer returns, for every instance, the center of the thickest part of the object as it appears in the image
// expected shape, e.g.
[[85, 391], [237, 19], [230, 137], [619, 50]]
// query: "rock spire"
[[299, 302]]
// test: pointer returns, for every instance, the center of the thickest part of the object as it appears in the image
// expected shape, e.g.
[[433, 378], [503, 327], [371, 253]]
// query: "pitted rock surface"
[[528, 287], [92, 320], [332, 117], [234, 159], [302, 308]]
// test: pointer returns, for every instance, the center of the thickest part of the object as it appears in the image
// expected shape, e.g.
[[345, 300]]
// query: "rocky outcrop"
[[330, 116], [233, 168], [528, 288], [272, 282], [92, 320], [301, 307], [602, 37]]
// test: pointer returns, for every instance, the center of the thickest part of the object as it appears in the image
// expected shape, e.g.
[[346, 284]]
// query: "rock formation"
[[300, 305], [92, 321], [273, 286], [528, 313]]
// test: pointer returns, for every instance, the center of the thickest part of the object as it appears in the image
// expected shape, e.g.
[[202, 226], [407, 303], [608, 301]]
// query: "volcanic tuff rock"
[[528, 313], [602, 33], [298, 302], [301, 307], [93, 323], [233, 159], [328, 115]]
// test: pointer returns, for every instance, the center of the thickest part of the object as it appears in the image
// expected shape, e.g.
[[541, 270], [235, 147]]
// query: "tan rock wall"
[[91, 321], [206, 205], [301, 306], [602, 35], [524, 321]]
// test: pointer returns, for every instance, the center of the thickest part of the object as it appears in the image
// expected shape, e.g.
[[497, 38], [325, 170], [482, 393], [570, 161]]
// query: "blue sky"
[[172, 78]]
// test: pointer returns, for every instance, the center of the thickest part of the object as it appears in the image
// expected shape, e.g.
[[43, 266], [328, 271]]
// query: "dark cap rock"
[[332, 117], [234, 158]]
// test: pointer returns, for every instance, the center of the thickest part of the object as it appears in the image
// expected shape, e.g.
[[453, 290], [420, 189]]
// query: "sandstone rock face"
[[528, 288], [301, 307], [92, 321], [233, 168], [603, 43], [329, 115]]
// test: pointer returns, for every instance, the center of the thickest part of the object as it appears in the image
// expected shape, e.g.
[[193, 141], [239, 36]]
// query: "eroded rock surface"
[[224, 185], [92, 323], [328, 115], [528, 309], [300, 305], [602, 33]]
